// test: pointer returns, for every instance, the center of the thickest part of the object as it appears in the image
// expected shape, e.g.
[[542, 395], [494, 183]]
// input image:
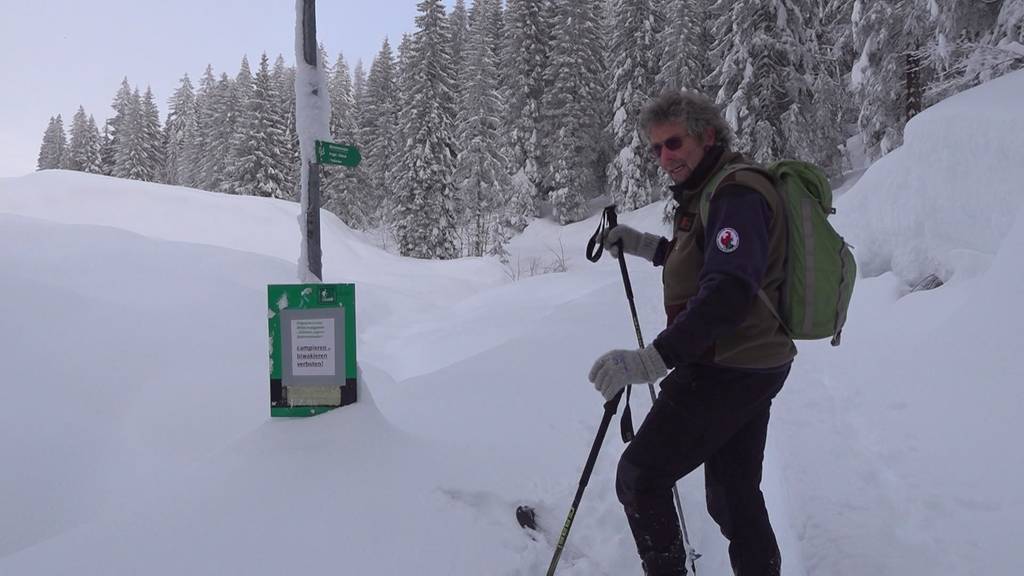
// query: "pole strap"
[[595, 248]]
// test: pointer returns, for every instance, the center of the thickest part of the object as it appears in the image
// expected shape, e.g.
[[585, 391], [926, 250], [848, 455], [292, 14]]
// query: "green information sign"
[[331, 153], [312, 347]]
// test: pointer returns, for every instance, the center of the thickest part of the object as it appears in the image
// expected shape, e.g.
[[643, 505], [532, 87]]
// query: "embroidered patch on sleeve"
[[728, 240]]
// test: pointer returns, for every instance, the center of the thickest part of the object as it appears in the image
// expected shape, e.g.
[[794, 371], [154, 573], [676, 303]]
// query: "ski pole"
[[609, 410], [612, 218]]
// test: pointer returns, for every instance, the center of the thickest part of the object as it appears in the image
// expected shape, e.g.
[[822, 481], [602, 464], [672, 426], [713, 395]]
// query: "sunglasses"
[[674, 143]]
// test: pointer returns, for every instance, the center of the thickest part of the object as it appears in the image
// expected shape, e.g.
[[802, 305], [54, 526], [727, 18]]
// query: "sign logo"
[[728, 240]]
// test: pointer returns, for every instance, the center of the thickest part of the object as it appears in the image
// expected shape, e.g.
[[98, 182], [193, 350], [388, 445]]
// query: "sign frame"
[[292, 393]]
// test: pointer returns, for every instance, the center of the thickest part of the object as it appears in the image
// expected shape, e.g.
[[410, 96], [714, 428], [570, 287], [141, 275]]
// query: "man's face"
[[678, 152]]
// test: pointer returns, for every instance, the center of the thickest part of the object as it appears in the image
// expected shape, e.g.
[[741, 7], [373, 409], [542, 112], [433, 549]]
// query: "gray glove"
[[633, 242], [620, 368]]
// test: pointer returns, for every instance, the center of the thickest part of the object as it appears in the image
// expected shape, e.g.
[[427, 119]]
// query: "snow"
[[949, 196], [135, 371], [312, 123]]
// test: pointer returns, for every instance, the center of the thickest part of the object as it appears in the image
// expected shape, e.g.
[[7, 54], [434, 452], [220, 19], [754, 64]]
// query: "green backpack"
[[820, 269]]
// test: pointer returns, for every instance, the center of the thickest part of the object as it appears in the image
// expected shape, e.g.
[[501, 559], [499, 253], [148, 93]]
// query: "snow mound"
[[945, 200]]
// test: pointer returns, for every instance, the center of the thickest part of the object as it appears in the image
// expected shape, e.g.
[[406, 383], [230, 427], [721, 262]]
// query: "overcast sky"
[[58, 54]]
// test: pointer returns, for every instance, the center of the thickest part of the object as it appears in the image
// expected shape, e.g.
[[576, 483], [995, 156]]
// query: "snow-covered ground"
[[136, 434]]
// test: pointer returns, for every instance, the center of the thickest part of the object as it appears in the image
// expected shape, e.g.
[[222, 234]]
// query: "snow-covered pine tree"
[[284, 89], [378, 132], [458, 26], [112, 127], [259, 167], [424, 223], [402, 62], [52, 151], [92, 159], [524, 59], [130, 162], [685, 42], [886, 33], [345, 188], [816, 128], [571, 108], [72, 152], [83, 150], [198, 149], [358, 83], [481, 173], [179, 131], [223, 117], [500, 30], [1009, 32], [974, 42], [242, 90], [632, 173], [151, 138], [765, 51]]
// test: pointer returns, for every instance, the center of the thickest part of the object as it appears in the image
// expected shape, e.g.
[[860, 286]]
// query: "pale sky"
[[58, 54]]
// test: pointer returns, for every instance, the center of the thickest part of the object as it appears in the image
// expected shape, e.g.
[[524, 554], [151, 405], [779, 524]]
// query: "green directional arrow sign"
[[338, 154]]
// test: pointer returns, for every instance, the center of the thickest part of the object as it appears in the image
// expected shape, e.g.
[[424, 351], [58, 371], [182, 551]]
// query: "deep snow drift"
[[137, 438]]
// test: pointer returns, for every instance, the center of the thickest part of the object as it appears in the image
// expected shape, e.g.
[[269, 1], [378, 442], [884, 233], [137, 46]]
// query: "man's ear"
[[709, 137]]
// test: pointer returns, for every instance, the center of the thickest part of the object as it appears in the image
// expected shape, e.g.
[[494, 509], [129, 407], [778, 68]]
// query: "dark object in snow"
[[929, 282], [527, 517]]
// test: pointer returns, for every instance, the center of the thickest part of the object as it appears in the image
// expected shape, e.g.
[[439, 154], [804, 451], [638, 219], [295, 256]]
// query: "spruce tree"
[[524, 59], [632, 173], [481, 173], [151, 138], [358, 83], [764, 55], [259, 167], [886, 34], [424, 223], [974, 42], [83, 152], [92, 159], [130, 162], [379, 132], [198, 149], [180, 130], [284, 88], [112, 143], [52, 151], [241, 92], [224, 109], [685, 42], [573, 95], [458, 26], [345, 188]]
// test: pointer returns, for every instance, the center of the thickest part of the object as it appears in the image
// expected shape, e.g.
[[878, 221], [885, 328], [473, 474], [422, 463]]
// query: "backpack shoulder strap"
[[759, 177]]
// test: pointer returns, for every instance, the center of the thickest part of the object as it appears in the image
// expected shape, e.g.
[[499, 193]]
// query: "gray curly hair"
[[695, 111]]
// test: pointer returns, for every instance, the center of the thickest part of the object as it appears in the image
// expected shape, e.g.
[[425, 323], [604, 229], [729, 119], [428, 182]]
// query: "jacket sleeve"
[[735, 260], [662, 251]]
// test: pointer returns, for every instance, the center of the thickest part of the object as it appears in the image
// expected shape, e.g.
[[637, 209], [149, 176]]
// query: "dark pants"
[[712, 416]]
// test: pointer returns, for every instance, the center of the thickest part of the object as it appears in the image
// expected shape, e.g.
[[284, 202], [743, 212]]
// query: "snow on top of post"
[[312, 123]]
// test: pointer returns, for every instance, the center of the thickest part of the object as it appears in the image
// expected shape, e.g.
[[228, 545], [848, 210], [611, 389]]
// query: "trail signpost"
[[312, 325]]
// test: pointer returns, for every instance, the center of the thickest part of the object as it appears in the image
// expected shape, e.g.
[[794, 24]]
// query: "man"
[[727, 354]]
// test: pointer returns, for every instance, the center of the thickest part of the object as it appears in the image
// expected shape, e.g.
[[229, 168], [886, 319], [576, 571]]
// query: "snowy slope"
[[138, 432]]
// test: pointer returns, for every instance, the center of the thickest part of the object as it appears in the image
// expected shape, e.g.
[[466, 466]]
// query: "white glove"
[[620, 368], [633, 242]]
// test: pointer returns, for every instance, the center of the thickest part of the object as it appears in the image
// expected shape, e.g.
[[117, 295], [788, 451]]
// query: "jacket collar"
[[716, 158]]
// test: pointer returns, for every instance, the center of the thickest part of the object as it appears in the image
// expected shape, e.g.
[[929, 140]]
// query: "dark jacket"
[[713, 271]]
